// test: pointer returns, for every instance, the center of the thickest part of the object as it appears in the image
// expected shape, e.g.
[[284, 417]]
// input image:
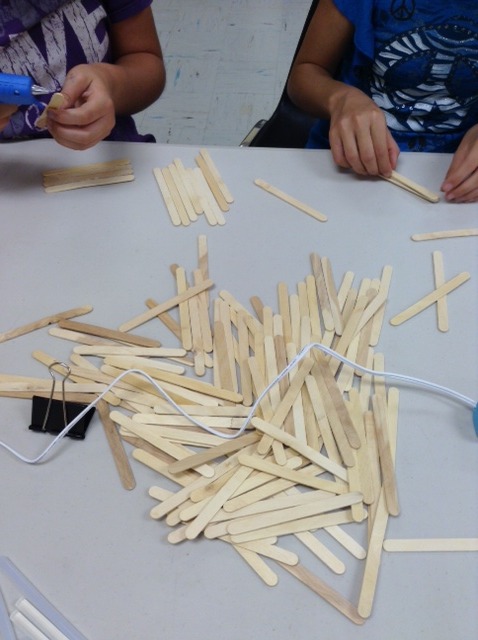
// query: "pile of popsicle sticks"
[[190, 192], [318, 454], [317, 457]]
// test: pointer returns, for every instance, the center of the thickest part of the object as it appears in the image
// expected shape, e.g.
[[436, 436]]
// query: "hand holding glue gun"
[[14, 92]]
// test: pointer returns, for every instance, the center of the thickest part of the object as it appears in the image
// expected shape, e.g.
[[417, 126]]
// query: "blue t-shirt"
[[418, 61], [44, 39]]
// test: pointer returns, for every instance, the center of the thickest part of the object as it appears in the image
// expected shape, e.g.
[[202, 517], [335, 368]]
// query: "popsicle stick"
[[280, 471], [258, 565], [271, 551], [304, 450], [326, 592], [295, 526], [343, 538], [110, 334], [323, 296], [332, 294], [183, 192], [212, 212], [430, 299], [167, 197], [217, 176], [407, 184], [373, 559], [212, 183], [165, 306], [44, 322], [431, 544], [305, 208], [442, 307], [119, 455], [188, 183], [216, 502], [321, 552], [91, 175], [385, 453], [263, 520], [56, 101], [176, 196], [225, 448], [440, 235], [103, 350]]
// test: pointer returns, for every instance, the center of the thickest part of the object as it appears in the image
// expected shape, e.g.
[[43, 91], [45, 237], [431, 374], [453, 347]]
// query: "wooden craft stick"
[[217, 176], [212, 183], [296, 526], [347, 541], [56, 101], [407, 184], [385, 453], [91, 175], [431, 544], [332, 294], [262, 520], [319, 550], [258, 565], [281, 471], [308, 452], [119, 455], [175, 195], [183, 192], [442, 307], [165, 306], [305, 208], [324, 301], [167, 197], [103, 350], [324, 591], [188, 183], [272, 551], [212, 212], [110, 334], [225, 448], [439, 235], [44, 322], [430, 299]]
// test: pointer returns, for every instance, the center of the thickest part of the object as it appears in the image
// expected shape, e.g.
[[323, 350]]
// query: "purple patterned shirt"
[[44, 39]]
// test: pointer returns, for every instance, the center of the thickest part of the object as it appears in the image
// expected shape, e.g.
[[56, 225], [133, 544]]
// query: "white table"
[[89, 545]]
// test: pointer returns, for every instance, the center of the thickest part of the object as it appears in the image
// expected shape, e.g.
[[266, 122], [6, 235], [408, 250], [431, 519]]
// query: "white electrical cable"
[[315, 345]]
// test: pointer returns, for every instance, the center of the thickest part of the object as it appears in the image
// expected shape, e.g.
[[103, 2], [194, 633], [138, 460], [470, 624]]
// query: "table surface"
[[88, 544]]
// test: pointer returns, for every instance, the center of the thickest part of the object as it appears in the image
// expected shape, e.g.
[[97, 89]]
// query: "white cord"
[[315, 345]]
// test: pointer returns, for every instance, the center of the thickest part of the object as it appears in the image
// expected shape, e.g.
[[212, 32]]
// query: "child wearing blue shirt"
[[389, 75]]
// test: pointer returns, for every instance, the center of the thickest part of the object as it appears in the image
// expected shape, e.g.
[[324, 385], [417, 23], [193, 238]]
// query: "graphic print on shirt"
[[426, 79], [71, 30]]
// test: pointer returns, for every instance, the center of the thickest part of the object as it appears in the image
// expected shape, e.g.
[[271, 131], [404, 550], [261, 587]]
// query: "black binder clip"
[[52, 416]]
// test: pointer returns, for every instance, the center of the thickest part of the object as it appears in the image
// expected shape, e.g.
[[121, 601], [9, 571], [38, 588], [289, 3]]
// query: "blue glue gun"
[[19, 90]]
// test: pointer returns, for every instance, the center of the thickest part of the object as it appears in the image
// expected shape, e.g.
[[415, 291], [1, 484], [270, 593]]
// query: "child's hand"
[[359, 137], [89, 113], [6, 112], [461, 180]]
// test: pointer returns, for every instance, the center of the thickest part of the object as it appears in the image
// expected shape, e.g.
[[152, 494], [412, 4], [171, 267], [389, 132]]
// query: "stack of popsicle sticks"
[[190, 192], [90, 175], [316, 457]]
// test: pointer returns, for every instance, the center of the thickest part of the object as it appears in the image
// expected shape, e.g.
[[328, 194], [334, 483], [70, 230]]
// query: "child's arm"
[[6, 112], [96, 93], [359, 137], [461, 180]]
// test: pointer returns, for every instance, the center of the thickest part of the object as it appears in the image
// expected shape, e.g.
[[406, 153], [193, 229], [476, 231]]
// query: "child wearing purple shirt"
[[104, 56]]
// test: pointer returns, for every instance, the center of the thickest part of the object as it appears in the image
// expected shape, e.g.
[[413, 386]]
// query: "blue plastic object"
[[16, 89], [475, 419]]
